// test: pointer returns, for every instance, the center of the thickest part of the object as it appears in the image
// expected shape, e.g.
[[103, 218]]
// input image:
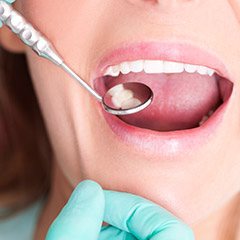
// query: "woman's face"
[[189, 172]]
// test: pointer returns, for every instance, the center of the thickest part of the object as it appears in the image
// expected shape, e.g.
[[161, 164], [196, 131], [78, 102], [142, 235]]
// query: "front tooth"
[[136, 66], [202, 70], [124, 68], [151, 66], [190, 68], [172, 67]]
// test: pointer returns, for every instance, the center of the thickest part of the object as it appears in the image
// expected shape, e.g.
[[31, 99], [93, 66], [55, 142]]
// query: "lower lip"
[[172, 143]]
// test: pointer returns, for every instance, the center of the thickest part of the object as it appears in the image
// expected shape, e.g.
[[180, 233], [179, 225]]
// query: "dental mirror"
[[123, 99], [127, 98]]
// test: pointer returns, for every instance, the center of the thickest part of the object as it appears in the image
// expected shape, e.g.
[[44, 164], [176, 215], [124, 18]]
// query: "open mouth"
[[185, 95]]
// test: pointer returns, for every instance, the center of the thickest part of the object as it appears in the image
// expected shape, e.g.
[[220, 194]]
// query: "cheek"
[[50, 17], [74, 27], [235, 4]]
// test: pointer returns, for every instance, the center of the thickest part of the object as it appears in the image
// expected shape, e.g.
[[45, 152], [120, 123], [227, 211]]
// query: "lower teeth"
[[206, 117]]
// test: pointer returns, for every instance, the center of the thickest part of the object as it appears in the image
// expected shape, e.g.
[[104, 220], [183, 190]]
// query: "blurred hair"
[[25, 151]]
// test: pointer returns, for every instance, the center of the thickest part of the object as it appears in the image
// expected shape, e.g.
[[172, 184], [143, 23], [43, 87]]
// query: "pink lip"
[[166, 143]]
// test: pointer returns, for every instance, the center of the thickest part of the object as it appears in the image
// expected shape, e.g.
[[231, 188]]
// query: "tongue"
[[180, 100]]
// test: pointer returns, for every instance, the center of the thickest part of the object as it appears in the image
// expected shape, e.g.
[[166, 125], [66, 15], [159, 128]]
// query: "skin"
[[84, 145]]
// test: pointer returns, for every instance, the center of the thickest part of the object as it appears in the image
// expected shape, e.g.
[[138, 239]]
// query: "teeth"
[[210, 113], [153, 66], [121, 96], [156, 66], [130, 103], [108, 72], [124, 68], [136, 66], [116, 89], [206, 117], [190, 68], [210, 72], [202, 70], [115, 71], [173, 67]]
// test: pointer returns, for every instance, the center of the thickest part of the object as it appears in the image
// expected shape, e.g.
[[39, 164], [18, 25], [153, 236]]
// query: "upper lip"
[[168, 51]]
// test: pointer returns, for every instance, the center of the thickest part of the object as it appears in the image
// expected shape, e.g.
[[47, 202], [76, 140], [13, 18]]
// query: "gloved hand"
[[7, 1], [130, 217]]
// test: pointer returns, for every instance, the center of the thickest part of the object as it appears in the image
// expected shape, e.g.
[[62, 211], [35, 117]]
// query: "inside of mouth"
[[181, 100]]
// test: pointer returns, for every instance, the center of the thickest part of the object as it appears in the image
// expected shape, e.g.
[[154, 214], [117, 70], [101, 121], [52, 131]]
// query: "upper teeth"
[[156, 66]]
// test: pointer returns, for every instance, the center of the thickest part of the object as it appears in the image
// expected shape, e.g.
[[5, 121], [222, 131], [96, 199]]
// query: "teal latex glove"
[[7, 1], [130, 217]]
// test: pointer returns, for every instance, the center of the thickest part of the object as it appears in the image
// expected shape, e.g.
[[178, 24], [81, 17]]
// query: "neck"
[[220, 225], [57, 198]]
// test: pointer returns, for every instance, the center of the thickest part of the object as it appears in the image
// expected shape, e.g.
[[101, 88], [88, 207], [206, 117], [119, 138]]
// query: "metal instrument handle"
[[39, 44]]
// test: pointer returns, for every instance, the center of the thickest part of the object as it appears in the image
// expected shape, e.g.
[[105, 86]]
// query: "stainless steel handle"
[[26, 32], [39, 44]]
